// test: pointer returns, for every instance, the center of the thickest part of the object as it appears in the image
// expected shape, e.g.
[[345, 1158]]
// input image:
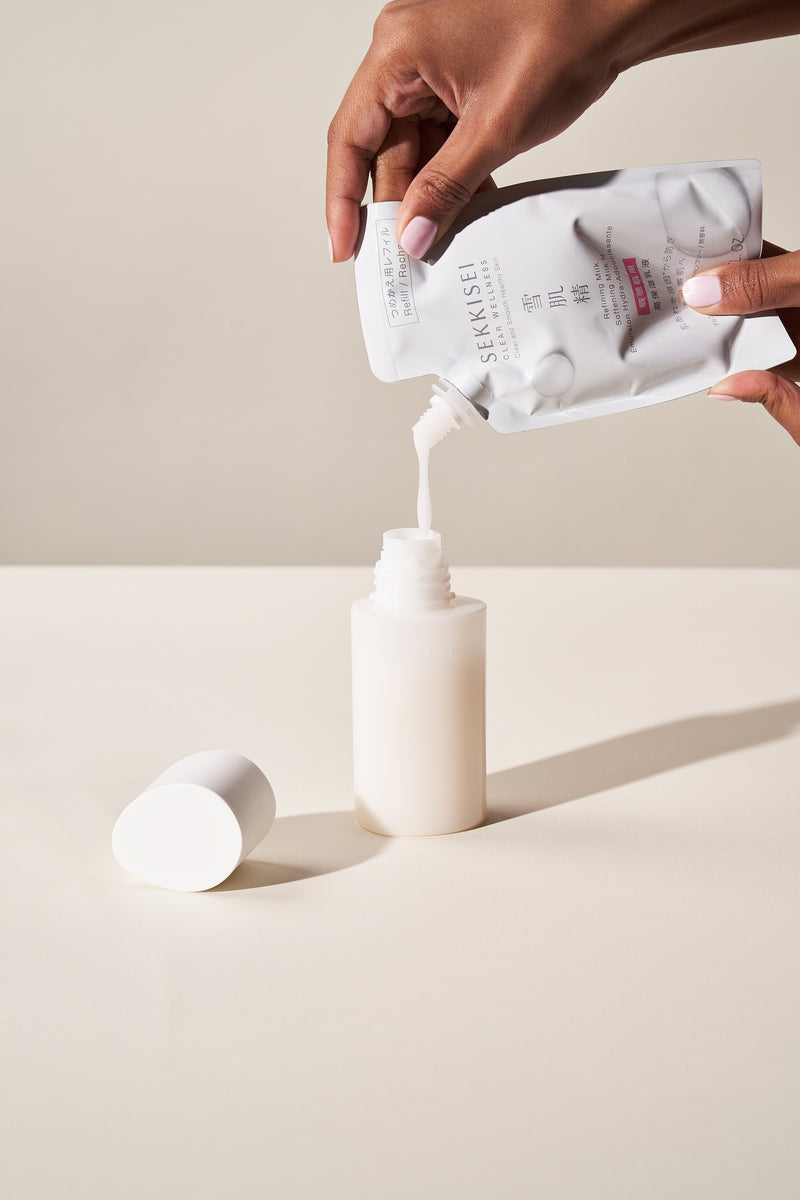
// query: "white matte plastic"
[[196, 822], [418, 657]]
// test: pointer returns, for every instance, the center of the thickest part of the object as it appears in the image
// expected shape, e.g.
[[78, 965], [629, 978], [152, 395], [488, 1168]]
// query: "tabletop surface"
[[593, 996]]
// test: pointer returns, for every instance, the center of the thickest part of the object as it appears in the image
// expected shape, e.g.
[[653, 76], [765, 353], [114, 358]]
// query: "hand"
[[771, 282], [451, 89], [448, 91]]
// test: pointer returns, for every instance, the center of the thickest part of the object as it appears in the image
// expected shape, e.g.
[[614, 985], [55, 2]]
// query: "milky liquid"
[[448, 410], [424, 512]]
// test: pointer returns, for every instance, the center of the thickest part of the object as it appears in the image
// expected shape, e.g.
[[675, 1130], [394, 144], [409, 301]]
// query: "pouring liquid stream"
[[424, 513], [448, 410]]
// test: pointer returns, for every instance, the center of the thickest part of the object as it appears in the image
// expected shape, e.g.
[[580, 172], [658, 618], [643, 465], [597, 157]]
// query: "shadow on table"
[[302, 847], [620, 760], [320, 843]]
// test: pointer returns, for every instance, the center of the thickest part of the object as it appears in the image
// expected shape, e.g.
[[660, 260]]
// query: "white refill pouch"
[[559, 300]]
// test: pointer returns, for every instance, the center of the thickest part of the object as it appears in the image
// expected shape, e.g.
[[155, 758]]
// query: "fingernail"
[[330, 248], [702, 291], [418, 235], [722, 396]]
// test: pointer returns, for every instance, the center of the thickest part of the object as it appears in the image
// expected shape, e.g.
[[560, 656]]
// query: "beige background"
[[182, 371]]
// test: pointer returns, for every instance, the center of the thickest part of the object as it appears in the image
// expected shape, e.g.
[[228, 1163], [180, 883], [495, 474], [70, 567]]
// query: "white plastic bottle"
[[419, 666]]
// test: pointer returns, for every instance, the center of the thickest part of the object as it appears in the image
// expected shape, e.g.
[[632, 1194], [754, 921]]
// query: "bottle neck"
[[411, 574]]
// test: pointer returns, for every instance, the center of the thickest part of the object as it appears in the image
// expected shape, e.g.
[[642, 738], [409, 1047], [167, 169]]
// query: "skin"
[[771, 282], [451, 89]]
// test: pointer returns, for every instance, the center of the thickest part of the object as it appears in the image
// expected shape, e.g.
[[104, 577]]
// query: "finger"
[[409, 145], [354, 138], [445, 184], [433, 136], [397, 160], [790, 318], [746, 287], [779, 396]]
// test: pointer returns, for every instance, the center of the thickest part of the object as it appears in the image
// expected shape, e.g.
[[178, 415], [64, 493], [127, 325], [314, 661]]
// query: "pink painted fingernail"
[[418, 235], [330, 248], [702, 291], [722, 396]]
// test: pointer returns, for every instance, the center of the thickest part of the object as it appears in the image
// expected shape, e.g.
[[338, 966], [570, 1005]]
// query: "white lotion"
[[448, 410], [418, 657]]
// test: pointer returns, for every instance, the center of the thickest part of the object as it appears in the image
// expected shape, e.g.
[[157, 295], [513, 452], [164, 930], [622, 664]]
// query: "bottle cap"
[[195, 823]]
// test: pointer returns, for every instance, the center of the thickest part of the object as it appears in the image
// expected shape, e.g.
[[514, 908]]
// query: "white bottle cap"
[[196, 822]]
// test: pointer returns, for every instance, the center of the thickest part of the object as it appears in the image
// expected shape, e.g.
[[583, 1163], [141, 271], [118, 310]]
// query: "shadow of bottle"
[[303, 847], [601, 766]]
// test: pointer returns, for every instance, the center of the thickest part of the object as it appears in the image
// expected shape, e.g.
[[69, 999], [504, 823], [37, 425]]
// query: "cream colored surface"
[[595, 995], [181, 369]]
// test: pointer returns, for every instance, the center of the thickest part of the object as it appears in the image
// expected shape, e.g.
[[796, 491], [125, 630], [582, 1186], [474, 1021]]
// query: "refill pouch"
[[561, 299]]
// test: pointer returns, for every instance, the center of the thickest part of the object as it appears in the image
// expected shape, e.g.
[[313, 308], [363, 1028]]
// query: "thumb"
[[780, 397], [746, 287], [444, 185]]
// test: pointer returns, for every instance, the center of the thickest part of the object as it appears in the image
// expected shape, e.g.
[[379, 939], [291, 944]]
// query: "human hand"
[[448, 91], [771, 282], [451, 89]]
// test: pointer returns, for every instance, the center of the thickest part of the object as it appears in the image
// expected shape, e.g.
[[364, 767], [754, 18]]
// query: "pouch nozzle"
[[449, 409]]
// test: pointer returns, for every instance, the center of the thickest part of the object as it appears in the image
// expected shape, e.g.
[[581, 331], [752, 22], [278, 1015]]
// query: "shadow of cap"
[[302, 847]]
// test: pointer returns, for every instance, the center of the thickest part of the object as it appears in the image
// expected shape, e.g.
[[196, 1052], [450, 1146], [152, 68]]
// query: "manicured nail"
[[330, 248], [722, 396], [702, 291], [418, 235]]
